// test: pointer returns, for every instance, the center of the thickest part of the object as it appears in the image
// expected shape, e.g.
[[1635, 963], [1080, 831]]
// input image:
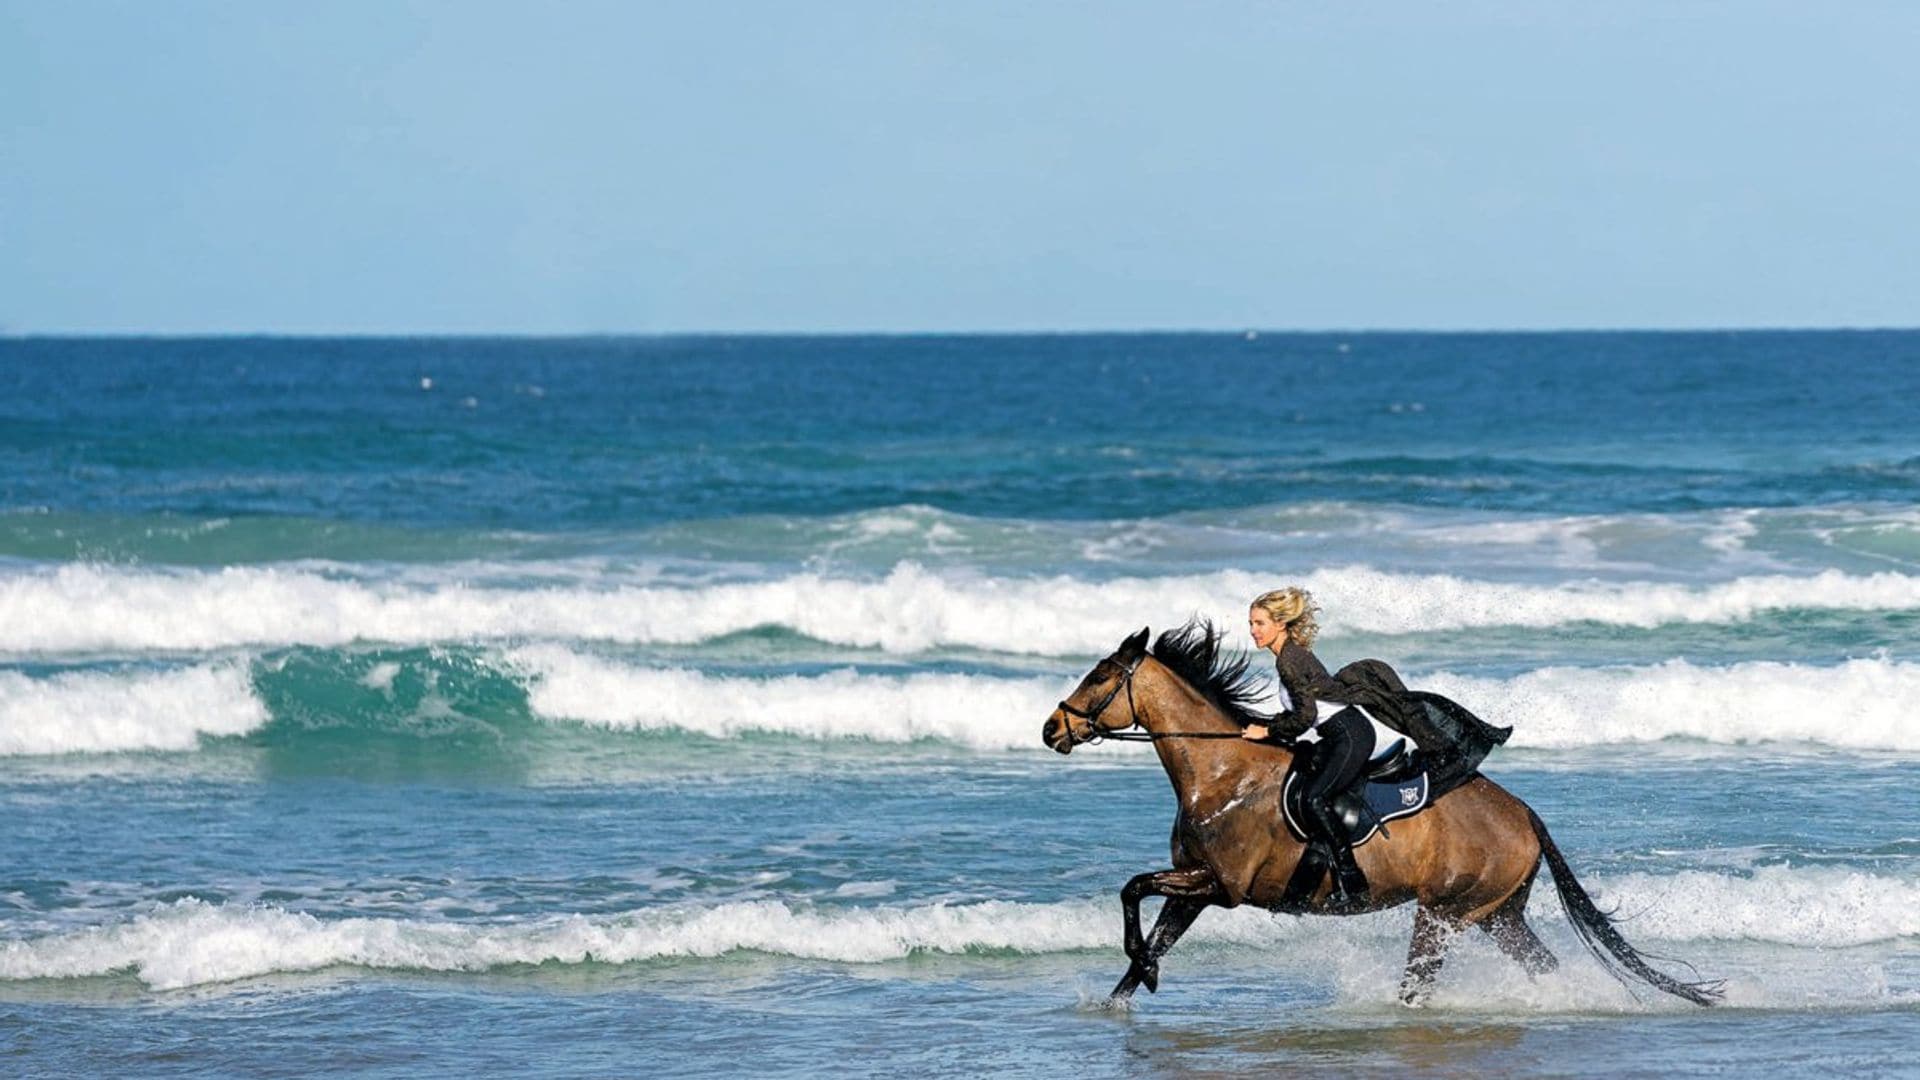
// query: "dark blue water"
[[622, 433]]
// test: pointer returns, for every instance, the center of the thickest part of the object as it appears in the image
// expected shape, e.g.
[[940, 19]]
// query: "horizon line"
[[1249, 332]]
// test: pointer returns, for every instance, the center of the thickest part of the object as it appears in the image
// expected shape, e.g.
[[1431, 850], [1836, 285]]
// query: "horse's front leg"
[[1130, 896], [1187, 892], [1175, 917]]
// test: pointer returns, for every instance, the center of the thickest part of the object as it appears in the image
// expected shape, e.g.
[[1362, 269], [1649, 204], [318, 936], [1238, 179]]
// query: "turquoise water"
[[597, 706]]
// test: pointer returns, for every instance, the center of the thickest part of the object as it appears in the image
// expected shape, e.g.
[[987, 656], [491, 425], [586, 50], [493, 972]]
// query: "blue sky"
[[471, 167]]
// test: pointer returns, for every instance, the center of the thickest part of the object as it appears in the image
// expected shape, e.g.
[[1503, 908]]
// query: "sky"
[[474, 167]]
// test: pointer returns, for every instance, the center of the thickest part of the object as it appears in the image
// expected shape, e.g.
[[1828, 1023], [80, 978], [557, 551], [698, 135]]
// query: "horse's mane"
[[1226, 679]]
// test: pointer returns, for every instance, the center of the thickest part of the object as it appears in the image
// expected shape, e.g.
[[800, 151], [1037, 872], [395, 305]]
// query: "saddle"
[[1395, 785]]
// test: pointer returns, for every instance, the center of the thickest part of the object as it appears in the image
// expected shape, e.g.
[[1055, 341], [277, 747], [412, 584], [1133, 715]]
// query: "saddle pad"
[[1363, 810]]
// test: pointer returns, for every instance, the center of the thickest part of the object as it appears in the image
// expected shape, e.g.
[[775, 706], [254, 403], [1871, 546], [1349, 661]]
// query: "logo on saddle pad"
[[1410, 796]]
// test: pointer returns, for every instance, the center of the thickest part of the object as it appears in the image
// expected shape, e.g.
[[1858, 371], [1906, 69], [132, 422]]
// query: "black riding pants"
[[1346, 742]]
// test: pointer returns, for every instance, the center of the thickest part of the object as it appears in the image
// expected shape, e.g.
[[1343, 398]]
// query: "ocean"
[[672, 706]]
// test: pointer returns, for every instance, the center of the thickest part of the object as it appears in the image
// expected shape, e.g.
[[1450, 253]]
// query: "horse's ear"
[[1136, 644]]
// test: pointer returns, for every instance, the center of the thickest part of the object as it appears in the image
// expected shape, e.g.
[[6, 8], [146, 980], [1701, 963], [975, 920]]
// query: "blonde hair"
[[1294, 609]]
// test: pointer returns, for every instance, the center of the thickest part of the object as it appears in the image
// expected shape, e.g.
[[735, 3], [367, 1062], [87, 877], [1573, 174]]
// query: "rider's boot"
[[1349, 892], [1349, 883]]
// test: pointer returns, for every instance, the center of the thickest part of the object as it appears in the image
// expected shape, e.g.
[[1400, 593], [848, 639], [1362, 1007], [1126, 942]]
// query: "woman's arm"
[[1283, 729], [1288, 725], [1306, 679]]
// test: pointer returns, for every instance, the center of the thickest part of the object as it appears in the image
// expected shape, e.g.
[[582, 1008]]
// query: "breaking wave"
[[486, 695], [1859, 705], [92, 608], [98, 712], [1866, 704], [191, 942], [972, 710]]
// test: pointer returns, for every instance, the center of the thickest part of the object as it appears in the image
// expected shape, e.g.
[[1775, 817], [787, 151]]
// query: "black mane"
[[1193, 653]]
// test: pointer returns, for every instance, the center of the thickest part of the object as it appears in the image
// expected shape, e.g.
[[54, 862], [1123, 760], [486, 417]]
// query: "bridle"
[[1097, 734]]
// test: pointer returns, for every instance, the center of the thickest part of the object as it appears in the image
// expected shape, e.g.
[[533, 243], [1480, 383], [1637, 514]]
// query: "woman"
[[1283, 621]]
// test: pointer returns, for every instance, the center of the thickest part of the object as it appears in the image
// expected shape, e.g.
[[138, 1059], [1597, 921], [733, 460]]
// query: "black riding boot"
[[1349, 883]]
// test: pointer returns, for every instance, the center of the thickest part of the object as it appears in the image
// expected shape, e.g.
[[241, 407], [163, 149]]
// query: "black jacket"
[[1452, 739]]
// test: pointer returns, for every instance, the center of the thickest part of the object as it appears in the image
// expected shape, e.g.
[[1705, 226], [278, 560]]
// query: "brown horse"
[[1467, 860]]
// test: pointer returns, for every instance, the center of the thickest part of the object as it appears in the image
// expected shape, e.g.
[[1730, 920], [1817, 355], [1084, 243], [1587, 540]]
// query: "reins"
[[1150, 736]]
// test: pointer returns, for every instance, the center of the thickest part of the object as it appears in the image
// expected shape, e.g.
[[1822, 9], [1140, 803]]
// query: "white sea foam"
[[190, 942], [97, 712], [98, 608], [1865, 704]]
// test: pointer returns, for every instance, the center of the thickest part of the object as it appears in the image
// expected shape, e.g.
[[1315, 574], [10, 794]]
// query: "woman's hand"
[[1256, 732]]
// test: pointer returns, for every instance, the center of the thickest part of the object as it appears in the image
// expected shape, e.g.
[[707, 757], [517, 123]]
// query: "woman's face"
[[1266, 633]]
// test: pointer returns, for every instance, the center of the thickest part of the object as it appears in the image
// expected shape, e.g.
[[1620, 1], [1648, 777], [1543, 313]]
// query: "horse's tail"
[[1602, 938]]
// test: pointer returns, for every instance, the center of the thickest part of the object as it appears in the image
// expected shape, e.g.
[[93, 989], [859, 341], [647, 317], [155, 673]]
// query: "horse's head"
[[1087, 713]]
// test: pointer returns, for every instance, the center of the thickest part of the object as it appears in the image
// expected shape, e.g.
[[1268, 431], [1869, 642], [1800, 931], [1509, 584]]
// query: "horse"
[[1468, 860]]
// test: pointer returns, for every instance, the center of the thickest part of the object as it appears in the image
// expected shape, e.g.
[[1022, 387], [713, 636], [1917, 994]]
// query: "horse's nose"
[[1054, 734]]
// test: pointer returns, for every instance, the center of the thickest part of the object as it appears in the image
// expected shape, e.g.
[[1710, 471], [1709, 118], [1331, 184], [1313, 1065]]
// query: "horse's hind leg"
[[1509, 930], [1431, 933], [1176, 915]]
